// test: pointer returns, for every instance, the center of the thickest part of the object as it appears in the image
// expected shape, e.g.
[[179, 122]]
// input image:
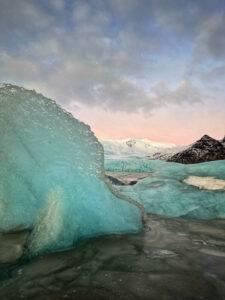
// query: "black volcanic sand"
[[172, 259]]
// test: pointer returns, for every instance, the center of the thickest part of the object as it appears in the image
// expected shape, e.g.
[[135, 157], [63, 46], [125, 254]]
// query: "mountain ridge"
[[204, 149], [137, 147]]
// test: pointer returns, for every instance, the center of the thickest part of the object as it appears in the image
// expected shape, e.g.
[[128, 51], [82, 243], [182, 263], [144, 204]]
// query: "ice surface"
[[51, 175], [164, 191]]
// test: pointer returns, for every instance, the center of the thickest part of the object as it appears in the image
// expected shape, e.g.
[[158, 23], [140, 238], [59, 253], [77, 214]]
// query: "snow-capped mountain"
[[140, 148]]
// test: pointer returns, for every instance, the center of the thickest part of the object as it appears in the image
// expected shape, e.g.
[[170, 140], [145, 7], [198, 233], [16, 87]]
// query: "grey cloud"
[[20, 21], [185, 92], [202, 23], [214, 74], [212, 79], [90, 64], [164, 26], [57, 4], [210, 40], [78, 80], [18, 68], [141, 25]]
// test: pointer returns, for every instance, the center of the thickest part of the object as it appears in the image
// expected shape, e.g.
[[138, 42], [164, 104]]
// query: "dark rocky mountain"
[[205, 149], [223, 141]]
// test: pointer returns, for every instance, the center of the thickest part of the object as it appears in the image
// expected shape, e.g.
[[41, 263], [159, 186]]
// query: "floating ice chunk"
[[51, 175], [207, 183]]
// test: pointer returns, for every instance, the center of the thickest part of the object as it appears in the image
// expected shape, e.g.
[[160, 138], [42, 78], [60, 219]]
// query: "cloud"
[[18, 68], [210, 40], [201, 25], [21, 21], [75, 79], [185, 92], [99, 53], [214, 74], [58, 5]]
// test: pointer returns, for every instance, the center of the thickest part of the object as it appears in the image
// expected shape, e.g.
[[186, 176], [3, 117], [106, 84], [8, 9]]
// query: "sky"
[[129, 68]]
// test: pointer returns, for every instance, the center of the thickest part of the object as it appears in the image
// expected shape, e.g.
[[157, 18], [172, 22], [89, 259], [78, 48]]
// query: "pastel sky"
[[129, 68]]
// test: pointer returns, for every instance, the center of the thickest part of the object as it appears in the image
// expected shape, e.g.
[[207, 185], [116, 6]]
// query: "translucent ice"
[[51, 175], [165, 191]]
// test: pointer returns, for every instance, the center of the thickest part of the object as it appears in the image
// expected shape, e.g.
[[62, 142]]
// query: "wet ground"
[[172, 259]]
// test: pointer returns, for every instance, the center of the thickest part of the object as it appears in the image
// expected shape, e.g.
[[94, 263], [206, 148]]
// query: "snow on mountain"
[[140, 148]]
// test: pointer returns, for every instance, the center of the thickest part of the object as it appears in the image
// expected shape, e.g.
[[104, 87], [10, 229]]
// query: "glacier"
[[138, 148], [52, 175], [165, 191]]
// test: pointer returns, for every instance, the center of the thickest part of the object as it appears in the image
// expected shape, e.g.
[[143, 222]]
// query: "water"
[[172, 259]]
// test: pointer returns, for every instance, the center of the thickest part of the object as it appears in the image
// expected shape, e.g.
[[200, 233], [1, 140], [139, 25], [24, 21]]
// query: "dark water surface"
[[172, 259]]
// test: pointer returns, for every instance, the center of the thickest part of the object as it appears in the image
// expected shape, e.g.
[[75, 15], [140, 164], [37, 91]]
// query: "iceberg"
[[206, 183], [167, 191], [52, 175]]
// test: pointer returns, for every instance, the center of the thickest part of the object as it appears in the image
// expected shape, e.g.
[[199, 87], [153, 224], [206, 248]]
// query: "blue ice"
[[51, 175], [164, 192]]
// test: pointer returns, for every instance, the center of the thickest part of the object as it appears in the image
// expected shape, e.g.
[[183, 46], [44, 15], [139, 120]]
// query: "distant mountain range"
[[205, 149]]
